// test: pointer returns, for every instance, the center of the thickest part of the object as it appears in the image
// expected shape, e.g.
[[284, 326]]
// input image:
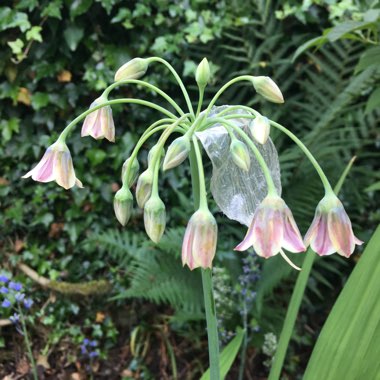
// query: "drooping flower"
[[133, 69], [6, 303], [4, 279], [331, 229], [260, 129], [123, 204], [177, 152], [199, 243], [272, 228], [240, 155], [56, 165], [144, 187], [99, 124], [267, 88], [155, 218]]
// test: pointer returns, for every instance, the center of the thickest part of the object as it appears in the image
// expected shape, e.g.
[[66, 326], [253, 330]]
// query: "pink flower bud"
[[133, 69], [240, 155], [177, 152], [144, 187], [154, 218], [56, 165], [99, 124], [199, 243], [260, 129], [266, 87], [272, 228], [122, 205], [331, 229]]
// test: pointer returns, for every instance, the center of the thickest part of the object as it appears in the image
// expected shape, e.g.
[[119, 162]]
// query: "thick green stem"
[[68, 129], [201, 176], [200, 101], [178, 79], [107, 91]]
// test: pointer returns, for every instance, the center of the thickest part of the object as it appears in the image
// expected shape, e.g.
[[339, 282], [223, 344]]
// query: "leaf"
[[348, 345], [314, 42], [73, 35], [12, 19], [34, 34], [78, 7], [373, 101], [53, 9], [228, 355], [368, 58], [373, 187], [40, 100], [341, 30], [16, 46]]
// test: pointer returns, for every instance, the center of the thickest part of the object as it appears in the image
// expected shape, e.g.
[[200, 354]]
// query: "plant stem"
[[200, 101], [27, 343], [201, 176], [212, 324], [212, 327]]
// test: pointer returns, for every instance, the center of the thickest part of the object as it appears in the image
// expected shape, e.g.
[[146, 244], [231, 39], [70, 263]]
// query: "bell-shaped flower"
[[122, 205], [199, 243], [99, 124], [267, 88], [331, 229], [133, 69], [154, 218], [56, 165], [272, 228], [260, 129]]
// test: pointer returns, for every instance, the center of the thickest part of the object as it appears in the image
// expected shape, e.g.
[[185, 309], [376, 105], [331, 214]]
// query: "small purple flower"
[[14, 318], [28, 303], [86, 341], [94, 354], [83, 349], [6, 303], [4, 290], [4, 279], [19, 297], [93, 343], [15, 286]]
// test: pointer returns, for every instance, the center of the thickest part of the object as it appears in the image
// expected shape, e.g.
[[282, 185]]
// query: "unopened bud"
[[154, 218], [130, 177], [260, 129], [133, 69], [144, 187], [267, 88], [122, 205], [202, 75], [240, 155], [153, 152], [177, 152]]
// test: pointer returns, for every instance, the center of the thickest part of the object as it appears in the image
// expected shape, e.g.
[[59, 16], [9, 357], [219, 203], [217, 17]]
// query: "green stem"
[[178, 79], [27, 342], [145, 84], [200, 101], [201, 176], [68, 129], [296, 299], [212, 324]]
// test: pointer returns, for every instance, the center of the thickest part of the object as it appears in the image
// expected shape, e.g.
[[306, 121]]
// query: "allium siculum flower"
[[331, 229], [99, 124], [154, 218], [122, 205], [267, 88], [56, 165], [199, 243], [272, 228], [133, 69], [260, 129]]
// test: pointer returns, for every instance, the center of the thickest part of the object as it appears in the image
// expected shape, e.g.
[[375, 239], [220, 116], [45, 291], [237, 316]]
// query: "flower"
[[14, 318], [28, 303], [15, 286], [4, 279], [4, 290], [331, 229], [202, 75], [154, 218], [199, 243], [130, 176], [272, 228], [55, 165], [260, 129], [133, 69], [240, 155], [267, 88], [144, 187], [19, 297], [177, 152], [122, 205], [99, 124], [6, 303]]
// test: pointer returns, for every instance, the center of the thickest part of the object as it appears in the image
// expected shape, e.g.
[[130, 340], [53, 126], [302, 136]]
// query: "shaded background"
[[55, 58]]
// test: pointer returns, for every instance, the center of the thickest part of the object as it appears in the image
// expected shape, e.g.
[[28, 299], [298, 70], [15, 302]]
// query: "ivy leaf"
[[8, 127], [12, 19], [79, 7], [40, 100], [53, 9], [34, 34], [73, 35], [16, 46]]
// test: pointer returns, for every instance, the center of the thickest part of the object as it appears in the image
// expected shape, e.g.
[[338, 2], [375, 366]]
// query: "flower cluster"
[[88, 348], [13, 298]]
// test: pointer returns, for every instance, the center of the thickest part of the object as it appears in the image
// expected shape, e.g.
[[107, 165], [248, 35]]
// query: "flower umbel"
[[331, 229], [99, 124], [56, 165], [199, 243], [272, 228]]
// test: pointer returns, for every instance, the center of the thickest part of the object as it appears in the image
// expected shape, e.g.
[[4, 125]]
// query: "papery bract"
[[55, 165], [99, 124], [331, 229], [272, 228], [199, 243]]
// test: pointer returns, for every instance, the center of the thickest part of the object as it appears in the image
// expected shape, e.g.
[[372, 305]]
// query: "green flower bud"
[[152, 153], [144, 187], [240, 154], [154, 218], [266, 87], [122, 205], [133, 69], [177, 152], [260, 129], [202, 74], [130, 177]]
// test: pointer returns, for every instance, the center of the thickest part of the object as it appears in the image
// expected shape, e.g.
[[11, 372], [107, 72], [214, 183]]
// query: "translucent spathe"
[[236, 191]]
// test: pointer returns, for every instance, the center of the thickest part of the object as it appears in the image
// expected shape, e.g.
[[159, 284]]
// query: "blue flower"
[[19, 297], [93, 343], [6, 303], [14, 318], [4, 279], [83, 349], [4, 290], [28, 303], [94, 354], [86, 341], [15, 286]]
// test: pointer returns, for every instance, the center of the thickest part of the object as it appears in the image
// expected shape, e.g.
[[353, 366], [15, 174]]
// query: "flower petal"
[[311, 232], [321, 242], [64, 170], [292, 237], [249, 238], [43, 171]]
